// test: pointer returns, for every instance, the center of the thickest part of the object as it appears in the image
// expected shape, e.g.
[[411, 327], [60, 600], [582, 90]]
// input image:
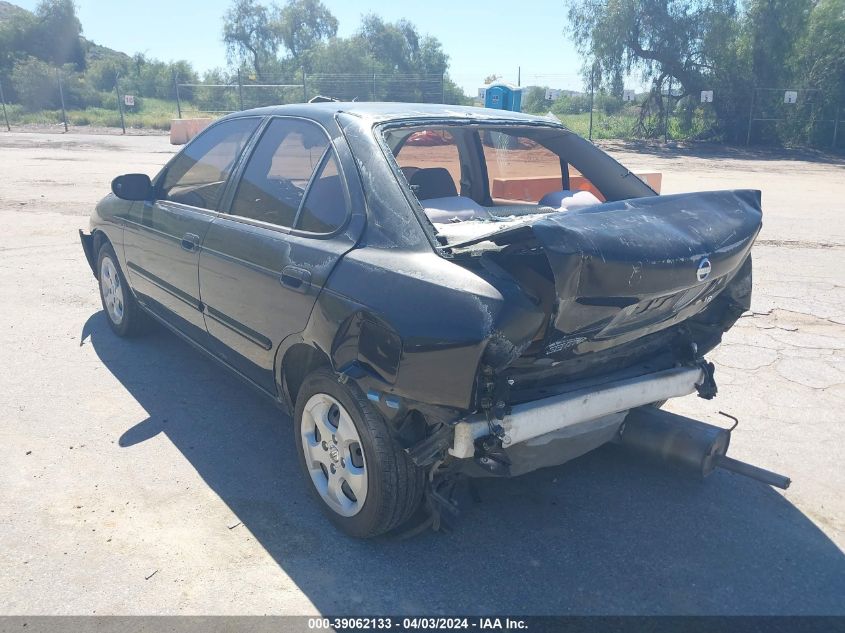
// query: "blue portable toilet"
[[500, 96]]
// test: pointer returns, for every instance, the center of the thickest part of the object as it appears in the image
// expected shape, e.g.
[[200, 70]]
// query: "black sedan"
[[432, 292]]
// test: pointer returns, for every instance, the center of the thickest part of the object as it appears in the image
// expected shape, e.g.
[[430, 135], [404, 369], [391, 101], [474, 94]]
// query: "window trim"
[[159, 179], [247, 154]]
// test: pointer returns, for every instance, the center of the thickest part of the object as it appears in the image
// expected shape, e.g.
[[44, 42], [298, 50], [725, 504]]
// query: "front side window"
[[198, 174], [277, 174]]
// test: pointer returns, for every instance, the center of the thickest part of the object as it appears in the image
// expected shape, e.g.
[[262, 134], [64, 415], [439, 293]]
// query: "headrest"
[[433, 182]]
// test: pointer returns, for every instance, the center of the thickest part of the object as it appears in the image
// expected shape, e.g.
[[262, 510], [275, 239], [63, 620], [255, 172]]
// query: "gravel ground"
[[140, 478]]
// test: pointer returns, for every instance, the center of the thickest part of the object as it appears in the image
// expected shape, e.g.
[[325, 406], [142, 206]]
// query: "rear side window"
[[277, 174], [197, 175]]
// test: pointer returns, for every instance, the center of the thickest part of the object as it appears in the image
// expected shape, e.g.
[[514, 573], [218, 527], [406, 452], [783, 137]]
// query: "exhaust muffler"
[[689, 445]]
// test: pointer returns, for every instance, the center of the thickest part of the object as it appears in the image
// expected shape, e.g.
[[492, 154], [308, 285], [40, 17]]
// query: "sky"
[[480, 37]]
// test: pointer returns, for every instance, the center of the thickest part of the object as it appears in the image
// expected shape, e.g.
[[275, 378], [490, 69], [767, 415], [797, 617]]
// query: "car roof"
[[390, 111]]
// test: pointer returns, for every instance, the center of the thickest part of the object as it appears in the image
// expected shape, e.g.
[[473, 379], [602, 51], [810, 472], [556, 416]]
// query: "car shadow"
[[604, 534]]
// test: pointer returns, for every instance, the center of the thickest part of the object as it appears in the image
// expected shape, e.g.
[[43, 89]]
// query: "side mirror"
[[132, 187]]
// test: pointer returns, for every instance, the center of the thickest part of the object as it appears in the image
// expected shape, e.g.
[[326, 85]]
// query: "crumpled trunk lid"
[[625, 269]]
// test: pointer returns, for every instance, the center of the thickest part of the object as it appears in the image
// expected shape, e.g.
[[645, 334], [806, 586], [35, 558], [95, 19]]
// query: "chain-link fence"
[[805, 116], [243, 93], [61, 98], [39, 96], [773, 116], [644, 116], [46, 97]]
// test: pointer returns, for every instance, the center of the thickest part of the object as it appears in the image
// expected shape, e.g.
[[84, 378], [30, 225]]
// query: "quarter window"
[[198, 174], [325, 205], [278, 172]]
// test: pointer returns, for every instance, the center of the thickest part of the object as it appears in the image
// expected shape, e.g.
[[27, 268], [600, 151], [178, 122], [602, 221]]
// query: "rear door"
[[163, 238], [263, 263]]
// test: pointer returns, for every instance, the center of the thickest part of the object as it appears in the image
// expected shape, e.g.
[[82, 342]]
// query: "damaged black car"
[[433, 293]]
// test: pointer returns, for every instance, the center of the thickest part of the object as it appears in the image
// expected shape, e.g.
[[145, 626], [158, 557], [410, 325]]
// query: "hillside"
[[92, 50], [7, 10]]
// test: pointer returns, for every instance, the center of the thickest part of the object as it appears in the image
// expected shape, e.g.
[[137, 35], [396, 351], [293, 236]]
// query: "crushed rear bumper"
[[578, 410]]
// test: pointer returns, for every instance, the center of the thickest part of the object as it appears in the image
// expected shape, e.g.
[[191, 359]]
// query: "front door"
[[163, 238], [264, 262]]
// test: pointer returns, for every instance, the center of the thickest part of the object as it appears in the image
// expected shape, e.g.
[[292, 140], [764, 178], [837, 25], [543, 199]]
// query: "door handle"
[[296, 278], [190, 241]]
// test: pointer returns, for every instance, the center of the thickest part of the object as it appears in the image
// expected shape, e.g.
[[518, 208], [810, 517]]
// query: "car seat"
[[433, 182]]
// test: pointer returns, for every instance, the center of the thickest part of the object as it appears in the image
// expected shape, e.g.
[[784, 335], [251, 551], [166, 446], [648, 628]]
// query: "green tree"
[[34, 84], [398, 46], [51, 34], [15, 32], [301, 25], [571, 104], [249, 35], [305, 32], [341, 55], [660, 38], [775, 28], [695, 43], [821, 57], [534, 100], [102, 73], [55, 36], [454, 94]]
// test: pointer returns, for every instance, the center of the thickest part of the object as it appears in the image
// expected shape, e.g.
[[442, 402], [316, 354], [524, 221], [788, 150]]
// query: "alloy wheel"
[[334, 455], [112, 290]]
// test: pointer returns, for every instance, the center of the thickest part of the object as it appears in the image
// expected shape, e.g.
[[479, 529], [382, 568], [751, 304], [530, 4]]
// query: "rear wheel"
[[122, 310], [364, 481]]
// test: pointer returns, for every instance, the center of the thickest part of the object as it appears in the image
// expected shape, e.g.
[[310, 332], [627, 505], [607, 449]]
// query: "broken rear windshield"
[[474, 179]]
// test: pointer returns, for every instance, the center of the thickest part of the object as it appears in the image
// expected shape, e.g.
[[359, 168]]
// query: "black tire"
[[132, 320], [394, 483]]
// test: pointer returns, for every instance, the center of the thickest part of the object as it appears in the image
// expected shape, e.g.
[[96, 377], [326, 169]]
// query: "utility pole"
[[668, 112], [9, 129], [176, 87], [518, 76], [62, 98], [119, 104], [241, 90], [592, 81], [750, 116]]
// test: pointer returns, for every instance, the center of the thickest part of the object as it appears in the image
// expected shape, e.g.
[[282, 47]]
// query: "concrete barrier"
[[183, 130], [535, 187]]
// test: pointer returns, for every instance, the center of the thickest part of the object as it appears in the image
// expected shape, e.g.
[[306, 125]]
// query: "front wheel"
[[362, 478], [122, 310]]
